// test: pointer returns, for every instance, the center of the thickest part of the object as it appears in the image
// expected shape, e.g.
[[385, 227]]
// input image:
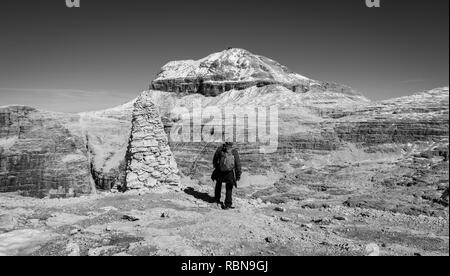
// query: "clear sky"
[[108, 51]]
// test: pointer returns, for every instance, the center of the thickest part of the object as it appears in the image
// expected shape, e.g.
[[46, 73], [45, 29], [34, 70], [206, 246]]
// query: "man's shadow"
[[198, 195]]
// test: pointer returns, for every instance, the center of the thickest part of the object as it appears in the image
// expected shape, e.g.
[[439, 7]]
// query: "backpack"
[[227, 161]]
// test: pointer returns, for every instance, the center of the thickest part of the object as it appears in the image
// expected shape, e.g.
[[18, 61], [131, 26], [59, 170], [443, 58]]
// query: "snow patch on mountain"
[[232, 65]]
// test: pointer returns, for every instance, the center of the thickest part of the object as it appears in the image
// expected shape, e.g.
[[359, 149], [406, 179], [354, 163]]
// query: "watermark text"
[[373, 3], [73, 3], [214, 124]]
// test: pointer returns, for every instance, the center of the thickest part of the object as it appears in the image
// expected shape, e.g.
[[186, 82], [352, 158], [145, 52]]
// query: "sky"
[[108, 51]]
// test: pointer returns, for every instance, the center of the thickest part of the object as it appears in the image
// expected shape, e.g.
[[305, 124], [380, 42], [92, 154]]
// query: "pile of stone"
[[150, 162]]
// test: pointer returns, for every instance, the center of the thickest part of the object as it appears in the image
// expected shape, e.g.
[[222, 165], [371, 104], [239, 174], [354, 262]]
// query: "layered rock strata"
[[42, 154]]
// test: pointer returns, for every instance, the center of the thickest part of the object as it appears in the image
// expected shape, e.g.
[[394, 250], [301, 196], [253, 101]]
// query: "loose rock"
[[270, 240], [165, 215], [130, 218], [280, 209]]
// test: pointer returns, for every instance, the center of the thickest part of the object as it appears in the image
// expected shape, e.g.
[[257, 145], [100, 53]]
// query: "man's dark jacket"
[[227, 177]]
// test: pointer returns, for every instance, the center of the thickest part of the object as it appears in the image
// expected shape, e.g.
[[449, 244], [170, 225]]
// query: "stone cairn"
[[150, 162]]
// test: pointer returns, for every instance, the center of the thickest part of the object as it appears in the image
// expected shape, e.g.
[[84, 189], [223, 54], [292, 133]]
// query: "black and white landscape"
[[327, 169]]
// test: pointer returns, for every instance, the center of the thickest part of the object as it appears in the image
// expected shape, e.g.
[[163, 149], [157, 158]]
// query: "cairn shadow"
[[201, 196]]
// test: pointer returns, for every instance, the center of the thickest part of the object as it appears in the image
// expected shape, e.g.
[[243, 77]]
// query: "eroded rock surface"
[[62, 155], [108, 134], [42, 153]]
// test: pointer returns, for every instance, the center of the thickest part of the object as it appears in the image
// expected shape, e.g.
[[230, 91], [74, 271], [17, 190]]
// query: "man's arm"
[[237, 165], [216, 158]]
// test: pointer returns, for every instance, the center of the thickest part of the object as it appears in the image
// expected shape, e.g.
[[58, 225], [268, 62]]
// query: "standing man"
[[227, 169]]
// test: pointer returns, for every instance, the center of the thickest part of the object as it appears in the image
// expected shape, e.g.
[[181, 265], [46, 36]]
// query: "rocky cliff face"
[[62, 155], [42, 153], [421, 117], [108, 134]]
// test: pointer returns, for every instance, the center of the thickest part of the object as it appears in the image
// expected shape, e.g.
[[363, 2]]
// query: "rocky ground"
[[306, 213]]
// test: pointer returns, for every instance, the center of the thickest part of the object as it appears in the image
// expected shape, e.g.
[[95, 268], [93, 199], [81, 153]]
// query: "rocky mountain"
[[62, 155], [310, 119], [43, 153], [324, 134], [235, 69]]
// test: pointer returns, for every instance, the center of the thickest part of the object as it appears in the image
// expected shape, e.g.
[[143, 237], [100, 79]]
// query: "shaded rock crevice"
[[105, 180], [212, 88]]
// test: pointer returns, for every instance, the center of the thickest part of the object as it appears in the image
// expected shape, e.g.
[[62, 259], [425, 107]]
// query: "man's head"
[[228, 146]]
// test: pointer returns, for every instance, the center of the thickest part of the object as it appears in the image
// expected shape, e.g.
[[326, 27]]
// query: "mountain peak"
[[232, 65], [235, 69]]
